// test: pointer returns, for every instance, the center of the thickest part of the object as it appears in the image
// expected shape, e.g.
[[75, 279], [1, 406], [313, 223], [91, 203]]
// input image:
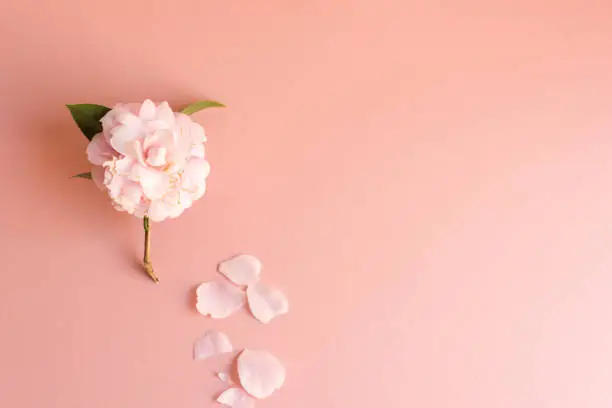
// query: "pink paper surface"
[[429, 183]]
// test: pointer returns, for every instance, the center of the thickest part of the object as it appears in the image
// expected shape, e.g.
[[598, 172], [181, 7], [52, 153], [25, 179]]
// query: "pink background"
[[430, 183]]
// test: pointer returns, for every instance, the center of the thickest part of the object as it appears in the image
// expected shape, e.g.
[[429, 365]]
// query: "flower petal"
[[197, 132], [210, 344], [124, 166], [164, 113], [156, 156], [128, 119], [123, 137], [197, 150], [159, 138], [99, 150], [159, 210], [97, 175], [242, 269], [147, 110], [155, 184], [130, 197], [185, 200], [236, 398], [218, 299], [266, 302], [260, 373], [198, 191], [189, 127], [196, 170]]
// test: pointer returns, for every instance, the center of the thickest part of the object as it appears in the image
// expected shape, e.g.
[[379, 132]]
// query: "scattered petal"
[[260, 373], [223, 376], [236, 398], [241, 269], [212, 343], [266, 302], [218, 299]]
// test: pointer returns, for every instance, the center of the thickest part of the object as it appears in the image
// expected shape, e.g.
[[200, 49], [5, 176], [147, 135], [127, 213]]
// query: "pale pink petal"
[[123, 137], [198, 191], [99, 150], [236, 398], [174, 204], [132, 107], [156, 156], [124, 166], [109, 120], [185, 200], [164, 113], [114, 182], [153, 139], [159, 210], [139, 152], [210, 344], [196, 170], [130, 197], [155, 184], [197, 150], [141, 210], [97, 176], [181, 148], [197, 132], [242, 269], [266, 302], [223, 376], [159, 138], [133, 151], [129, 119], [147, 110], [155, 124], [260, 373], [218, 299], [193, 180], [188, 126], [112, 118]]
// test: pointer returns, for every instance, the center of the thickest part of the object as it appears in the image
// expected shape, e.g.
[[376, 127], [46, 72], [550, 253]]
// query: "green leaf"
[[87, 116], [198, 106], [83, 175]]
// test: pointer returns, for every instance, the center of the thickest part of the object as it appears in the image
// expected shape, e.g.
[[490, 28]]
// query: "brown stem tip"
[[149, 270], [147, 250]]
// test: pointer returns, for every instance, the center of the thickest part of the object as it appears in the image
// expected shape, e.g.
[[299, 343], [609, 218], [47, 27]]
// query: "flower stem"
[[147, 250]]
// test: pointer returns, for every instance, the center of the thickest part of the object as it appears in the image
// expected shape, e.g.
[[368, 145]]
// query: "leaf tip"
[[86, 176]]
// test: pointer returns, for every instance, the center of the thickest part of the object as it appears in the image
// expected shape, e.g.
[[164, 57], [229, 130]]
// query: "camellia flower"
[[148, 159]]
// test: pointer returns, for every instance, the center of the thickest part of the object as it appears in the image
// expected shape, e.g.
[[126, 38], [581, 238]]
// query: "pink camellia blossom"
[[149, 160]]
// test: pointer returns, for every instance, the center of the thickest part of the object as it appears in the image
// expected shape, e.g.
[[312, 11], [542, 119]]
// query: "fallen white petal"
[[266, 302], [223, 376], [236, 398], [210, 344], [260, 373], [241, 269], [218, 299]]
